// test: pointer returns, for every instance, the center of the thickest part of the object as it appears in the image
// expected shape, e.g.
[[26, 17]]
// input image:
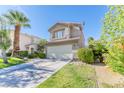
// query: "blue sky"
[[43, 17]]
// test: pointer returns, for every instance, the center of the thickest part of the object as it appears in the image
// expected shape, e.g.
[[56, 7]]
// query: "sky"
[[43, 17]]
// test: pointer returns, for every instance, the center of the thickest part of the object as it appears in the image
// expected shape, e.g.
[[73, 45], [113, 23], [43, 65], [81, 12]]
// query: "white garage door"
[[60, 52]]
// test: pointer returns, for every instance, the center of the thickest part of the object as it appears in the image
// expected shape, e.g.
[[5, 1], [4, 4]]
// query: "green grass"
[[72, 76], [12, 61]]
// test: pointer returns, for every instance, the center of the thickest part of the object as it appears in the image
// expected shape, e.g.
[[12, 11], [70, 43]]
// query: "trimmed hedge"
[[23, 53], [41, 55], [37, 55], [85, 55], [32, 55]]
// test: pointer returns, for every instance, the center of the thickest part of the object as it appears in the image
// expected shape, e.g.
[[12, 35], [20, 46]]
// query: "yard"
[[12, 61], [73, 75]]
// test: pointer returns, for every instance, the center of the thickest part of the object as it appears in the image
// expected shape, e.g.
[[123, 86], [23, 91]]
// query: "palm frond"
[[26, 25], [16, 17], [10, 19]]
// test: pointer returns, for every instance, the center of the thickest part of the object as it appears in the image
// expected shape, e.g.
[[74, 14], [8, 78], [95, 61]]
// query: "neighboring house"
[[27, 42], [65, 39]]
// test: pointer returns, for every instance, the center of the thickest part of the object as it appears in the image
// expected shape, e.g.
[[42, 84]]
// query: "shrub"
[[98, 49], [37, 55], [23, 53], [115, 59], [32, 55], [8, 54], [41, 55], [85, 55]]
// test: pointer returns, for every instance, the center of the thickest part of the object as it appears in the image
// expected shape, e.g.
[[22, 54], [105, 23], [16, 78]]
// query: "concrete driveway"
[[30, 75]]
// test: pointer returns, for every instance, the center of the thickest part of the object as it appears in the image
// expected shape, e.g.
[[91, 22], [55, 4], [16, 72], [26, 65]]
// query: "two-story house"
[[65, 39]]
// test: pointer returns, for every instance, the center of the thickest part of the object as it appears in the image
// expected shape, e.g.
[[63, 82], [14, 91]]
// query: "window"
[[56, 34], [77, 28], [59, 34]]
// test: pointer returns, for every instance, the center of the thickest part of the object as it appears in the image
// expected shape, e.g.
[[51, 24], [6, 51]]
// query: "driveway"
[[30, 75]]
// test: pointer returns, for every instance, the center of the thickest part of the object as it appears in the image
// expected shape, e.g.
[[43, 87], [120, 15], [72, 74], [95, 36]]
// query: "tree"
[[112, 35], [90, 42], [41, 45], [5, 41], [113, 26], [97, 47], [18, 20], [98, 50], [90, 39]]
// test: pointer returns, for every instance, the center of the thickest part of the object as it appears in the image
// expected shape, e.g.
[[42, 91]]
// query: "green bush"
[[23, 53], [33, 55], [8, 54], [85, 55], [41, 55], [115, 59], [37, 55], [98, 49]]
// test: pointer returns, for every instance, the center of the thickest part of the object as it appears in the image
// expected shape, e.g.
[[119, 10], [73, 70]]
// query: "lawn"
[[12, 61], [72, 76]]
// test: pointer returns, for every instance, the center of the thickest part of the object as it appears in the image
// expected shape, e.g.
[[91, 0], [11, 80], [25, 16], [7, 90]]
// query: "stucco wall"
[[75, 32], [34, 47], [24, 40]]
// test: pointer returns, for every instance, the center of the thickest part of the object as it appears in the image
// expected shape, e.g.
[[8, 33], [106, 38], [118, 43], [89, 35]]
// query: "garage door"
[[60, 52]]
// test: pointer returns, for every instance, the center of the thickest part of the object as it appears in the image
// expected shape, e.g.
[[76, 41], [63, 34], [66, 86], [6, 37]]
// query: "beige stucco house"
[[65, 39], [27, 42]]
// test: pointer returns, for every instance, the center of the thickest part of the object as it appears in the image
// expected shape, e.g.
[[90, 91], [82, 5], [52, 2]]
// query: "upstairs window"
[[77, 28], [59, 34]]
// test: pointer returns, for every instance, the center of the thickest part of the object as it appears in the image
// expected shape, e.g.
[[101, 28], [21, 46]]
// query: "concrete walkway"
[[30, 75], [106, 76]]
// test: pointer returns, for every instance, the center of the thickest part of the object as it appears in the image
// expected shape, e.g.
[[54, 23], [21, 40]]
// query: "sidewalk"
[[108, 78]]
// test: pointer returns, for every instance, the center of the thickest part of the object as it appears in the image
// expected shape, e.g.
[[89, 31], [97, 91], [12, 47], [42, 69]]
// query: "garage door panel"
[[60, 52]]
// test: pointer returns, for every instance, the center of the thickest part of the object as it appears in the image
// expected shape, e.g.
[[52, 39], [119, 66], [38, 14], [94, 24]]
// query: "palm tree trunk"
[[4, 57], [16, 47]]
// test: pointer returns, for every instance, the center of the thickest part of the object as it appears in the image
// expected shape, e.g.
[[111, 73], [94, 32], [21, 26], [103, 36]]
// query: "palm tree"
[[18, 20], [5, 41]]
